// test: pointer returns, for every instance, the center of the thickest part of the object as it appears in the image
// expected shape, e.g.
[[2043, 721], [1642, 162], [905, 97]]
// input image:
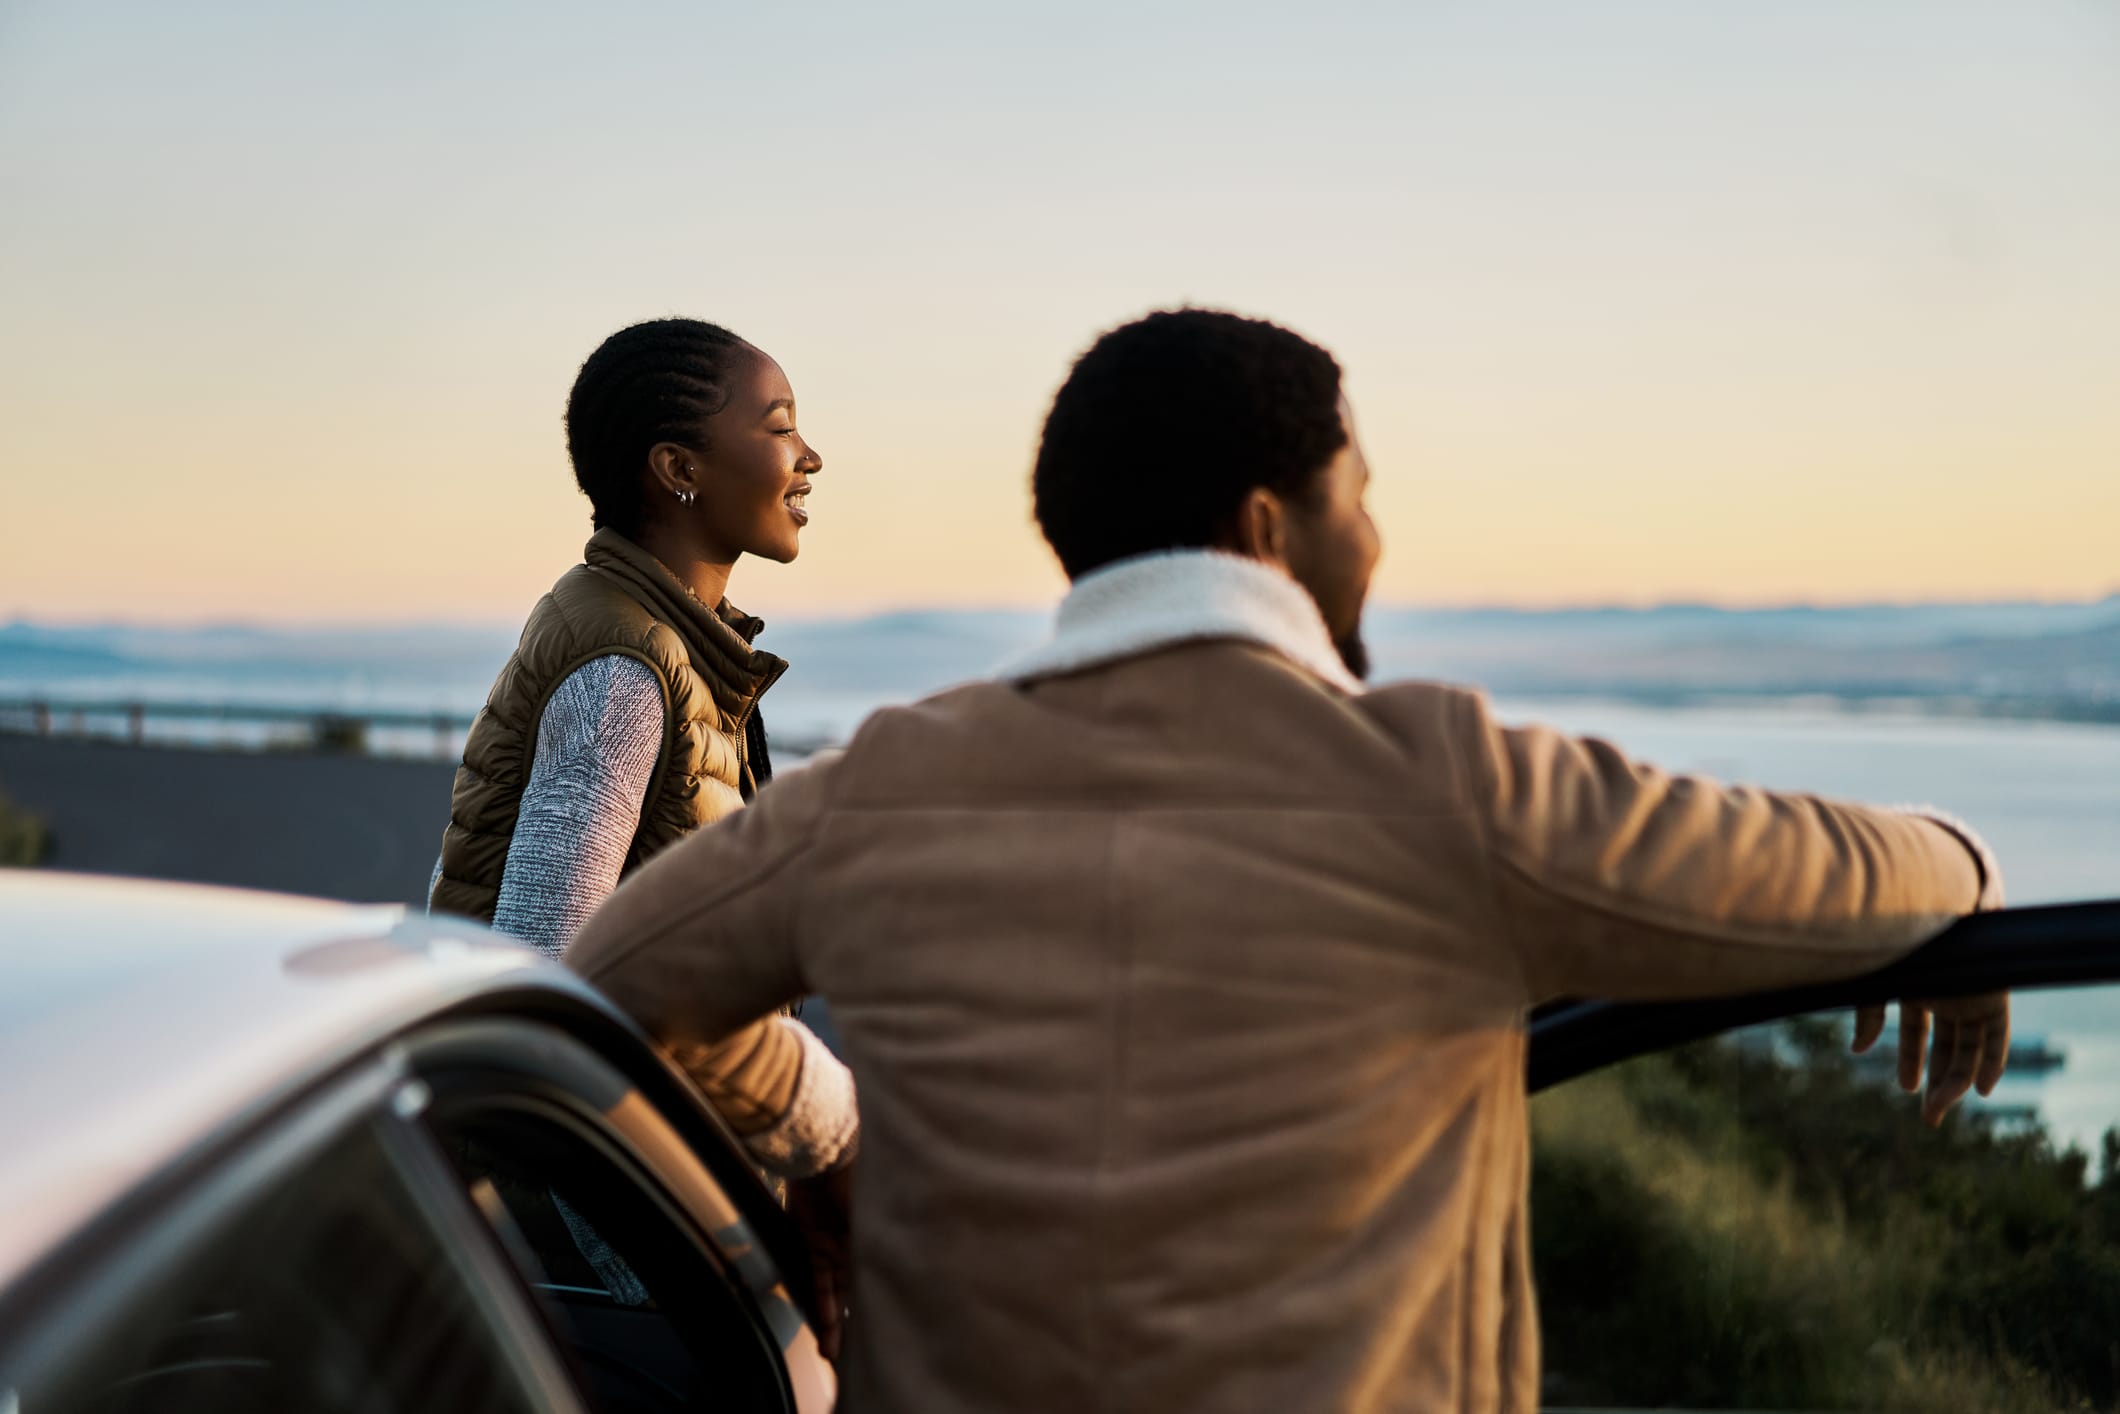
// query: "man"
[[1183, 978]]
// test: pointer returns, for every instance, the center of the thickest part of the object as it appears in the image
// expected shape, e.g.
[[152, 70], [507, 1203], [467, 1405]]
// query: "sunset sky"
[[1748, 303]]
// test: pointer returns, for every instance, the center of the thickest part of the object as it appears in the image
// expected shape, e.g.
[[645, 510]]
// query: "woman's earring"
[[685, 498]]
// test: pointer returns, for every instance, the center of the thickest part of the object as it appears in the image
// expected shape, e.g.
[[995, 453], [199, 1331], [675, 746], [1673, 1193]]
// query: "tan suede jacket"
[[1184, 987]]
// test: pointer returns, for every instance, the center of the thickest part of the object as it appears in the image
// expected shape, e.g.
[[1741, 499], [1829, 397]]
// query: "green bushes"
[[23, 838], [1726, 1228]]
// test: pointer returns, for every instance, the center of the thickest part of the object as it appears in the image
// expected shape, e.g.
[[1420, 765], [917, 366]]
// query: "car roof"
[[138, 1020]]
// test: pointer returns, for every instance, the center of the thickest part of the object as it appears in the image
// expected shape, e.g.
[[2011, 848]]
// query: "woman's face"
[[754, 475]]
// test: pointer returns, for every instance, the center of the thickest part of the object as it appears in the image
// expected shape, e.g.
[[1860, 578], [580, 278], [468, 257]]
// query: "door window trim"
[[670, 1098], [515, 1065]]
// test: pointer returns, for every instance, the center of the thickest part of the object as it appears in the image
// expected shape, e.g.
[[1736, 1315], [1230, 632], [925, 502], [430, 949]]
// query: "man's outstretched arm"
[[700, 947], [1616, 879]]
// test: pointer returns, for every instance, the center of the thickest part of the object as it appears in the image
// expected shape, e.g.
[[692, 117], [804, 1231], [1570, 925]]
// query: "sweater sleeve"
[[597, 744]]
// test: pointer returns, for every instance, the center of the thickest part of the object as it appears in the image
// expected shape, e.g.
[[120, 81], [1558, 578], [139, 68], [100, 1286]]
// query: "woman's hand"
[[1972, 1046]]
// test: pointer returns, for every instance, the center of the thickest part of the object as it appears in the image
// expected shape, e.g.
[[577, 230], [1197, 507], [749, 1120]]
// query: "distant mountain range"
[[2046, 660], [2034, 660]]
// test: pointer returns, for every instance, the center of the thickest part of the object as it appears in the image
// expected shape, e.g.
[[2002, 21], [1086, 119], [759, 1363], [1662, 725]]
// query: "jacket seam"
[[812, 841], [1106, 1107], [1985, 865], [1478, 795], [1464, 770]]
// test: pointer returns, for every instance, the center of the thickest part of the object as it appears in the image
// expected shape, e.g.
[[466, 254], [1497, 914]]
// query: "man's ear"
[[1261, 528]]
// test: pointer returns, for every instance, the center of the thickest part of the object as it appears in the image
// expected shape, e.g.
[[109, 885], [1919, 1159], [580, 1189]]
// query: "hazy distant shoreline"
[[1880, 703], [2044, 662]]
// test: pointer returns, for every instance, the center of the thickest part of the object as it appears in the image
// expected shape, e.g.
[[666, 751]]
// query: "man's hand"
[[822, 1208], [1972, 1046]]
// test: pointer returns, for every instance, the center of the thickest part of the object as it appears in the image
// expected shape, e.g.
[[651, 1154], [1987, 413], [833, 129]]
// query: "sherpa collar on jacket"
[[1181, 596]]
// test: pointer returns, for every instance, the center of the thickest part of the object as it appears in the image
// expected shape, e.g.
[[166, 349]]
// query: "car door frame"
[[629, 1099]]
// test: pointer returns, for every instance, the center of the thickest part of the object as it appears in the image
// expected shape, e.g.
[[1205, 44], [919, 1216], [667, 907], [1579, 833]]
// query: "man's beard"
[[1354, 653]]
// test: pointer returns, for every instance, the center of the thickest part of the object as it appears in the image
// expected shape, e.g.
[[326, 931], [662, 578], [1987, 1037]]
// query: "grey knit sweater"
[[596, 750]]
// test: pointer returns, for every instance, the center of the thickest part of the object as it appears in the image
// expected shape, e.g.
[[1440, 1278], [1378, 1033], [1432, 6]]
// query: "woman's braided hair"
[[654, 382]]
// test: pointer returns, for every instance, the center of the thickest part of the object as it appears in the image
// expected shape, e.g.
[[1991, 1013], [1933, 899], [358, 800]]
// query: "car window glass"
[[652, 1321], [331, 1293], [1761, 1221]]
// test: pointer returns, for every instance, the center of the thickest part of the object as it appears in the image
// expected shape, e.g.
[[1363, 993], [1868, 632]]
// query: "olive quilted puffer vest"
[[620, 600]]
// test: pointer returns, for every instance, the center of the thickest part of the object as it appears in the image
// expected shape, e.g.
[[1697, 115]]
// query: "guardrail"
[[347, 730]]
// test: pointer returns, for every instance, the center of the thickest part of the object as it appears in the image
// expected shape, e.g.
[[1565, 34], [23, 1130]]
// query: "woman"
[[628, 715]]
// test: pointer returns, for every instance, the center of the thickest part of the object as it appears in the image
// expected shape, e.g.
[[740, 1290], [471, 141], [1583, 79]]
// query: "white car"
[[274, 1154]]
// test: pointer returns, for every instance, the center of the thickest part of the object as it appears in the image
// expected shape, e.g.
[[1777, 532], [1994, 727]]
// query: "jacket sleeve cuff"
[[822, 1128], [1990, 868]]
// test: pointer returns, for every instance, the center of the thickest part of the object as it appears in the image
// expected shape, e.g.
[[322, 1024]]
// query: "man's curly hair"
[[1166, 424]]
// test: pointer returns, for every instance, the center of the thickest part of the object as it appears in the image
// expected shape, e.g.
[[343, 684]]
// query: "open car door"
[[1730, 1211]]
